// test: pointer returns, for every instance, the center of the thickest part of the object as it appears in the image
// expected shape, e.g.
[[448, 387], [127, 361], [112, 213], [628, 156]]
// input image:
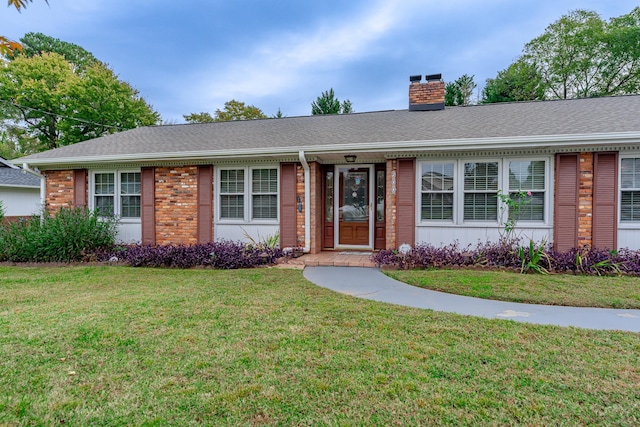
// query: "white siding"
[[629, 238], [445, 235], [20, 201], [129, 232], [235, 232]]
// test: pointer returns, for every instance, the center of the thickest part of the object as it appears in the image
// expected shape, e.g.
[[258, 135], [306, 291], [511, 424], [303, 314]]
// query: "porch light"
[[350, 158]]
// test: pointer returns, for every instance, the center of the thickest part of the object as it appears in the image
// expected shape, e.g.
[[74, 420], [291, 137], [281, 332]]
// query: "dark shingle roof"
[[16, 178], [524, 119]]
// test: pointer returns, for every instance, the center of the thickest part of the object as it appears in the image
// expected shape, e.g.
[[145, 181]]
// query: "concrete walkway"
[[371, 284]]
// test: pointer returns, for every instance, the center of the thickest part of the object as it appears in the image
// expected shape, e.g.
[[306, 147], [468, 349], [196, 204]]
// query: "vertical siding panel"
[[605, 201], [147, 208], [565, 229], [405, 201], [288, 205], [80, 187], [205, 204]]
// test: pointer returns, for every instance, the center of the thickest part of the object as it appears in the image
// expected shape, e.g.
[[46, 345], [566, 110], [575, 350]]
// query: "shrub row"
[[510, 254], [221, 254], [67, 236]]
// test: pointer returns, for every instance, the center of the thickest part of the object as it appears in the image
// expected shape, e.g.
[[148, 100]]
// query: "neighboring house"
[[19, 191], [369, 180]]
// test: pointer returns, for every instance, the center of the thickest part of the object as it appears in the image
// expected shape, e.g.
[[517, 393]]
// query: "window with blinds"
[[630, 190]]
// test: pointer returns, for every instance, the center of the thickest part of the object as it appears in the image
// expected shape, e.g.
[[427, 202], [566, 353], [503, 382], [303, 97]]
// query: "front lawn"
[[123, 346], [553, 289]]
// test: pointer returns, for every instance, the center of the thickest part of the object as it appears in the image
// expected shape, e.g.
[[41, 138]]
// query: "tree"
[[236, 110], [278, 115], [581, 55], [327, 103], [56, 105], [199, 118], [460, 91], [34, 44], [519, 82]]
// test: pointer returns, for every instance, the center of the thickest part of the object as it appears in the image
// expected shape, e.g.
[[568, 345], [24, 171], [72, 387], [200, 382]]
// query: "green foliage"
[[532, 256], [69, 235], [1, 212], [581, 55], [519, 82], [271, 241], [512, 203], [603, 266], [53, 102], [460, 91], [34, 44], [202, 117], [327, 103], [278, 115]]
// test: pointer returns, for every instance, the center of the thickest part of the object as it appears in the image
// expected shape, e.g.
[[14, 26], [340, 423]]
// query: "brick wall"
[[390, 204], [585, 200], [430, 93], [300, 196], [58, 190], [176, 205]]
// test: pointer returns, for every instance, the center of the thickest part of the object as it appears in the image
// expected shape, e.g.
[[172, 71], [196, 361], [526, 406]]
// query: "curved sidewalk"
[[371, 284]]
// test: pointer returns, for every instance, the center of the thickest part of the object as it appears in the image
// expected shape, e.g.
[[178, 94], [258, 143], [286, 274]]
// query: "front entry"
[[354, 206]]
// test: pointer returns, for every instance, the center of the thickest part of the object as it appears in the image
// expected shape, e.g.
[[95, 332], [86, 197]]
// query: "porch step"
[[334, 259]]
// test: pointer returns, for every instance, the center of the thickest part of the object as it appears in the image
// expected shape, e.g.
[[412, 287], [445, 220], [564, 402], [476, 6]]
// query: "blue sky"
[[192, 56]]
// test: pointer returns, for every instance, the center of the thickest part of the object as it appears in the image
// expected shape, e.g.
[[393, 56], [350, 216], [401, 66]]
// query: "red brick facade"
[[58, 190], [426, 93], [390, 204], [585, 200], [176, 205]]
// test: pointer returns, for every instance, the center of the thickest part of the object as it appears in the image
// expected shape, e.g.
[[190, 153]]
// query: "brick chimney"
[[426, 96]]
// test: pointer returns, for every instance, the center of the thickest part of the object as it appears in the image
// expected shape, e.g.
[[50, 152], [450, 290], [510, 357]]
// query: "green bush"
[[69, 235]]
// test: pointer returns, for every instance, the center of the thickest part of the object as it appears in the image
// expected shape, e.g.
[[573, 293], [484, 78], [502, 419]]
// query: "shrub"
[[69, 235], [508, 253], [222, 254]]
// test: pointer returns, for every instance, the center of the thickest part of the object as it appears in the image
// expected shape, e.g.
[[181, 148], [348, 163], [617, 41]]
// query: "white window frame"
[[117, 195], [420, 192], [625, 224], [248, 195], [503, 186]]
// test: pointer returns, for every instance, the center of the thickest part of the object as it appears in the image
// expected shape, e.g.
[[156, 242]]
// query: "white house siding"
[[472, 235], [129, 232], [235, 232], [18, 201], [628, 238]]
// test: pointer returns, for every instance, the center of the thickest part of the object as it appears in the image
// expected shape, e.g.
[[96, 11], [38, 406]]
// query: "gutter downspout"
[[43, 188], [307, 201]]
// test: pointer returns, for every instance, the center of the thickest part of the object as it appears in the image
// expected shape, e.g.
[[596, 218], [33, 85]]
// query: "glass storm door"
[[354, 206]]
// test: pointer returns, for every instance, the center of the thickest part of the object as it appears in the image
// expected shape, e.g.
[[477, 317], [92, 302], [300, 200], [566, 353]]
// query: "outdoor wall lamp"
[[350, 158]]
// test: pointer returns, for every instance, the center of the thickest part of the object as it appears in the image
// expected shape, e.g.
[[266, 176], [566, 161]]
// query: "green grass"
[[115, 346], [554, 289]]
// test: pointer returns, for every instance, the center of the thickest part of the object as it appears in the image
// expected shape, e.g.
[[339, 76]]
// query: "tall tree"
[[202, 117], [43, 95], [327, 103], [519, 82], [34, 44], [581, 55], [237, 110], [460, 91]]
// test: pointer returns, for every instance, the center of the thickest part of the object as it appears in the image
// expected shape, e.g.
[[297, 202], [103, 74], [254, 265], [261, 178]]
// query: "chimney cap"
[[432, 77], [416, 78]]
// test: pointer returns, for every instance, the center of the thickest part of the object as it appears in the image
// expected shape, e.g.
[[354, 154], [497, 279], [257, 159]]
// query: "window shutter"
[[147, 208], [566, 201], [205, 204], [80, 187], [405, 202], [288, 205], [605, 201]]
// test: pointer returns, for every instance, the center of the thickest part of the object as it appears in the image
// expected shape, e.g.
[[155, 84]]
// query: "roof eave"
[[518, 142]]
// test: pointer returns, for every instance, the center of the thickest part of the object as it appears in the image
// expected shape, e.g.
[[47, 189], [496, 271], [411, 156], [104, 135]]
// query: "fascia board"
[[522, 142]]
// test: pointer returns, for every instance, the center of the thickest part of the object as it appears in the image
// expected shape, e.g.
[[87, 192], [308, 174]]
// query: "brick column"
[[585, 200], [300, 200], [390, 204], [176, 205], [315, 204], [58, 190]]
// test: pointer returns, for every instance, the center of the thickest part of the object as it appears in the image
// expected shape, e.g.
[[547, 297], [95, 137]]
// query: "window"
[[255, 197], [466, 191], [437, 191], [232, 193], [264, 193], [117, 193], [480, 189], [528, 177], [630, 190]]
